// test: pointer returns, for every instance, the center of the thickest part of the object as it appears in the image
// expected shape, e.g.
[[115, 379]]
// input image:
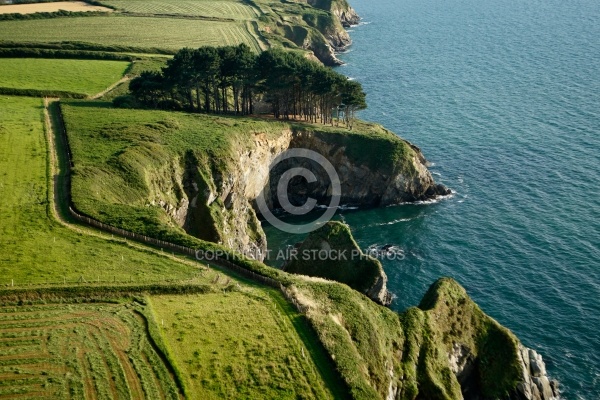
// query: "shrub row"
[[74, 45], [20, 52], [41, 93], [97, 293]]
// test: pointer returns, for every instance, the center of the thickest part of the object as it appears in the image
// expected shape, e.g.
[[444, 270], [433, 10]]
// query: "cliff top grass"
[[126, 160]]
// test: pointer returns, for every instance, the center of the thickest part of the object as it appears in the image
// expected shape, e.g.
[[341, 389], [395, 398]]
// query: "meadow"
[[165, 33], [34, 247], [230, 9], [76, 351], [240, 344], [80, 76]]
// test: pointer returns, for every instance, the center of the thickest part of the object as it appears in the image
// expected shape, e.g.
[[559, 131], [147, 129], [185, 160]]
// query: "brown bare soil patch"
[[78, 6]]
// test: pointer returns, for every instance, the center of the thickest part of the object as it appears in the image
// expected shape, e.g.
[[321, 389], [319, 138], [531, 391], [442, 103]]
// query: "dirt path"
[[111, 87], [59, 170]]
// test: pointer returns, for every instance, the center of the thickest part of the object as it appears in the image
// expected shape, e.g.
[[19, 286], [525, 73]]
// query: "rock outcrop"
[[375, 170], [534, 384], [330, 252]]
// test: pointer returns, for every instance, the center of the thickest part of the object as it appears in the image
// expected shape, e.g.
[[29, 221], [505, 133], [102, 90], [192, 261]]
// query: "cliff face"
[[341, 260], [446, 348], [220, 205], [317, 26]]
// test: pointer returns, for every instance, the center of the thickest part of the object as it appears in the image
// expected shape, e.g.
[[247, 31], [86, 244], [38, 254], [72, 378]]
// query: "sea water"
[[503, 97]]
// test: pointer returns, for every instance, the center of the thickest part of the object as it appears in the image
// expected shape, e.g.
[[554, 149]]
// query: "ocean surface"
[[503, 97]]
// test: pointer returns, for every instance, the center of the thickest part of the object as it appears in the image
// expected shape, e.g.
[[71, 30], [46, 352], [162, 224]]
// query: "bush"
[[125, 101]]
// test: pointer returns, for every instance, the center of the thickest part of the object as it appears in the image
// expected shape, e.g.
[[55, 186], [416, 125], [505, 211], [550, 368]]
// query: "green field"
[[35, 248], [79, 76], [206, 8], [128, 162], [76, 351], [165, 33], [238, 345]]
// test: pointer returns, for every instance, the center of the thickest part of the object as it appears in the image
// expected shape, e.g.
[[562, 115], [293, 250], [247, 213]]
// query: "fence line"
[[85, 219]]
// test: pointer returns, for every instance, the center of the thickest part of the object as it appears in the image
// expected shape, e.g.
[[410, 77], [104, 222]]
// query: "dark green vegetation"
[[316, 258], [208, 79], [105, 340], [174, 24], [85, 77], [76, 351]]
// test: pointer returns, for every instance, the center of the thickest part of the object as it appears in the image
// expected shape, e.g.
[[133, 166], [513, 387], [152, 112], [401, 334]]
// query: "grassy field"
[[79, 76], [238, 345], [35, 248], [230, 9], [76, 351], [165, 33]]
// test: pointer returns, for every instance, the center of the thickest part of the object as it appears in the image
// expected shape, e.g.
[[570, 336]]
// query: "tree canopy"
[[231, 79]]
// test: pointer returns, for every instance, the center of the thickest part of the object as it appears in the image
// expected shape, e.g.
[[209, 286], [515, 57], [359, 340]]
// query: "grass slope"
[[80, 76], [165, 33], [35, 248], [238, 344]]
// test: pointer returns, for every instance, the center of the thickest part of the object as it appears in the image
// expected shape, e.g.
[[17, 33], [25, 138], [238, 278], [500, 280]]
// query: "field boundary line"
[[58, 128], [54, 197], [111, 87]]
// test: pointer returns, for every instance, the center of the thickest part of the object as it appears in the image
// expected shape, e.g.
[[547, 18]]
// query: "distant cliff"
[[317, 26]]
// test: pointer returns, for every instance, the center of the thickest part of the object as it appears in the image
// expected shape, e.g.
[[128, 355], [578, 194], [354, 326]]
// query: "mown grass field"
[[165, 33], [36, 248], [79, 76], [238, 345], [76, 351], [230, 9]]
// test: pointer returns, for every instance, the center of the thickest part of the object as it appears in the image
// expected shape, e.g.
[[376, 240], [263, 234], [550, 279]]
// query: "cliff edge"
[[336, 256]]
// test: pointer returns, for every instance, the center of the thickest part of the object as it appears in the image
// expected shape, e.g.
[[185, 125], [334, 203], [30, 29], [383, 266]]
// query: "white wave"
[[433, 201], [396, 221], [343, 207]]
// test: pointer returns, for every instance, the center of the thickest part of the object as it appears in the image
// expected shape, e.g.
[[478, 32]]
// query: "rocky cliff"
[[316, 26], [446, 348], [376, 168], [336, 256]]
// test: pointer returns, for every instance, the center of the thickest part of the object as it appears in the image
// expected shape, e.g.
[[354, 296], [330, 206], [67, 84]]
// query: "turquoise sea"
[[503, 97]]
